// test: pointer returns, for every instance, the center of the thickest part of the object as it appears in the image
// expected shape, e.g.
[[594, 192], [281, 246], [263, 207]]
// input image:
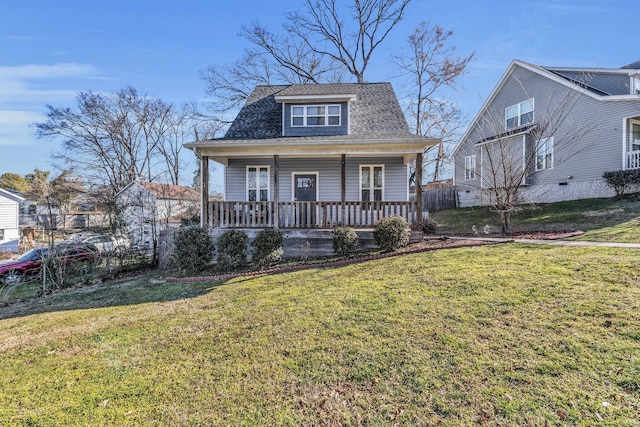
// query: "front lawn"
[[496, 335], [601, 219]]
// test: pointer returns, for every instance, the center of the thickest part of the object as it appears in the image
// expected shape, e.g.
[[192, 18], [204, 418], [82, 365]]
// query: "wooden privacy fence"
[[439, 199], [306, 214]]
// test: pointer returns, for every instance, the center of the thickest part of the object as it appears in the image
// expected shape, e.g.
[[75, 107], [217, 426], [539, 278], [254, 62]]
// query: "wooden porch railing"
[[306, 214]]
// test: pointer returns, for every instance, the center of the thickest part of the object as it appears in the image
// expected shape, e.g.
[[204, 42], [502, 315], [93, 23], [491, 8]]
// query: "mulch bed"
[[430, 243]]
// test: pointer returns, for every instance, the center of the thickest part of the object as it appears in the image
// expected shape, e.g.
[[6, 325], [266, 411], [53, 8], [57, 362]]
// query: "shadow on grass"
[[145, 288], [153, 287]]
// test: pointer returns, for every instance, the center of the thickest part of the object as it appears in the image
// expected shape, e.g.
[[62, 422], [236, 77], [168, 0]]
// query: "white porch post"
[[343, 187], [419, 191], [204, 191], [276, 190]]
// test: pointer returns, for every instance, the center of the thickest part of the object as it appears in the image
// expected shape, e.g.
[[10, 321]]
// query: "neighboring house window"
[[519, 114], [257, 183], [470, 167], [1, 233], [371, 183], [544, 154], [635, 136], [315, 115]]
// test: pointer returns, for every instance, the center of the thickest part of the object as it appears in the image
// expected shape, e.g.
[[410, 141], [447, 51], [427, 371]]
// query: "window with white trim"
[[315, 115], [258, 183], [371, 183], [470, 167], [635, 137], [519, 114], [544, 154]]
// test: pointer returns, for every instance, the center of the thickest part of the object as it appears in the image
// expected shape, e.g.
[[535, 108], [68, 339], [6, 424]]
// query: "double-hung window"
[[315, 115], [519, 114], [544, 154], [371, 183], [470, 167], [258, 183]]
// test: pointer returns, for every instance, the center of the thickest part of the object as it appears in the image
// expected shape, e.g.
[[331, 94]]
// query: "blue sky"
[[52, 49]]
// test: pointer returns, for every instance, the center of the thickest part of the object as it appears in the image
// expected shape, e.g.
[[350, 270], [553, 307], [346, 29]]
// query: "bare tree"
[[114, 139], [322, 29], [507, 165], [53, 193], [430, 66], [317, 45]]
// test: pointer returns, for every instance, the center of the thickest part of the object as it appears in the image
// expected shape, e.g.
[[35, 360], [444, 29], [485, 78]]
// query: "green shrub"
[[391, 233], [429, 226], [193, 248], [267, 248], [232, 250], [345, 241], [621, 180]]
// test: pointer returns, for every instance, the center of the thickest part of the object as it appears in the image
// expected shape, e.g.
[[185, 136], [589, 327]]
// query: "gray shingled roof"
[[632, 66], [376, 111]]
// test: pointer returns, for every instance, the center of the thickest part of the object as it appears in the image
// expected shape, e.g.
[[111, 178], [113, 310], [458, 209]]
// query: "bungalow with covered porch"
[[311, 157]]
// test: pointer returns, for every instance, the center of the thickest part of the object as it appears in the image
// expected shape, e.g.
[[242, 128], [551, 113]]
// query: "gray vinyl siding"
[[395, 177], [343, 129], [328, 169], [577, 158], [236, 177]]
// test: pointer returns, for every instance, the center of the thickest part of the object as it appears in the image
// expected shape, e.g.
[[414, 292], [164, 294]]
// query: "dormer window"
[[315, 115], [519, 114]]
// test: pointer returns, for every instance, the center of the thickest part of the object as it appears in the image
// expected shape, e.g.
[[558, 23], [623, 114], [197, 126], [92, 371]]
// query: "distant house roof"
[[632, 66], [374, 110], [11, 195], [167, 191]]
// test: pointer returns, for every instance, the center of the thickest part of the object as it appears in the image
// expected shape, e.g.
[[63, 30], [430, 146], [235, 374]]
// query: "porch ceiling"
[[221, 150]]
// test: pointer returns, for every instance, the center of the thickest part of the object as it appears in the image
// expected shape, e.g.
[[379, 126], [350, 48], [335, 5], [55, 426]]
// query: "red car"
[[29, 264]]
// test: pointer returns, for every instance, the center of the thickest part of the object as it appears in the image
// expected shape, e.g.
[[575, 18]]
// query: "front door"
[[305, 190], [305, 187]]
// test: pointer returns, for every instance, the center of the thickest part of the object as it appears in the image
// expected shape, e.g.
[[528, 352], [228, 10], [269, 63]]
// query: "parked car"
[[109, 243], [29, 264]]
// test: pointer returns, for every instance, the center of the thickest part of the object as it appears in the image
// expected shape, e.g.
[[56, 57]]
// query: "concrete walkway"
[[558, 242]]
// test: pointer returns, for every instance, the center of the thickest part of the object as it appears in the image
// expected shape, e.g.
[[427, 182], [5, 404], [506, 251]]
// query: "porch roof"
[[220, 150]]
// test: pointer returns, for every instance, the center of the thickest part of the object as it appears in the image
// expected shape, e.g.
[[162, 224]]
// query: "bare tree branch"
[[429, 66]]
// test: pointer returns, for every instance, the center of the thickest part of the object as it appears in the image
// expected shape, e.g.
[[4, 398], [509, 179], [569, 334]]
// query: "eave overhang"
[[297, 99], [222, 150]]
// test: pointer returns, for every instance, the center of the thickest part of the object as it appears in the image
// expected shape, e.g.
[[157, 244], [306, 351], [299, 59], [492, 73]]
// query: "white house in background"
[[147, 208], [9, 220]]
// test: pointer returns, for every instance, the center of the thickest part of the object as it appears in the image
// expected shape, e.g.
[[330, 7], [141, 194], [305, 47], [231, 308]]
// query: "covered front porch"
[[270, 190]]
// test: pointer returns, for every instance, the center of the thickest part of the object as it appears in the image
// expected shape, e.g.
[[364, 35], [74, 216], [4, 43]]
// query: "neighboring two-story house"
[[562, 127], [9, 220], [147, 208], [314, 156]]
